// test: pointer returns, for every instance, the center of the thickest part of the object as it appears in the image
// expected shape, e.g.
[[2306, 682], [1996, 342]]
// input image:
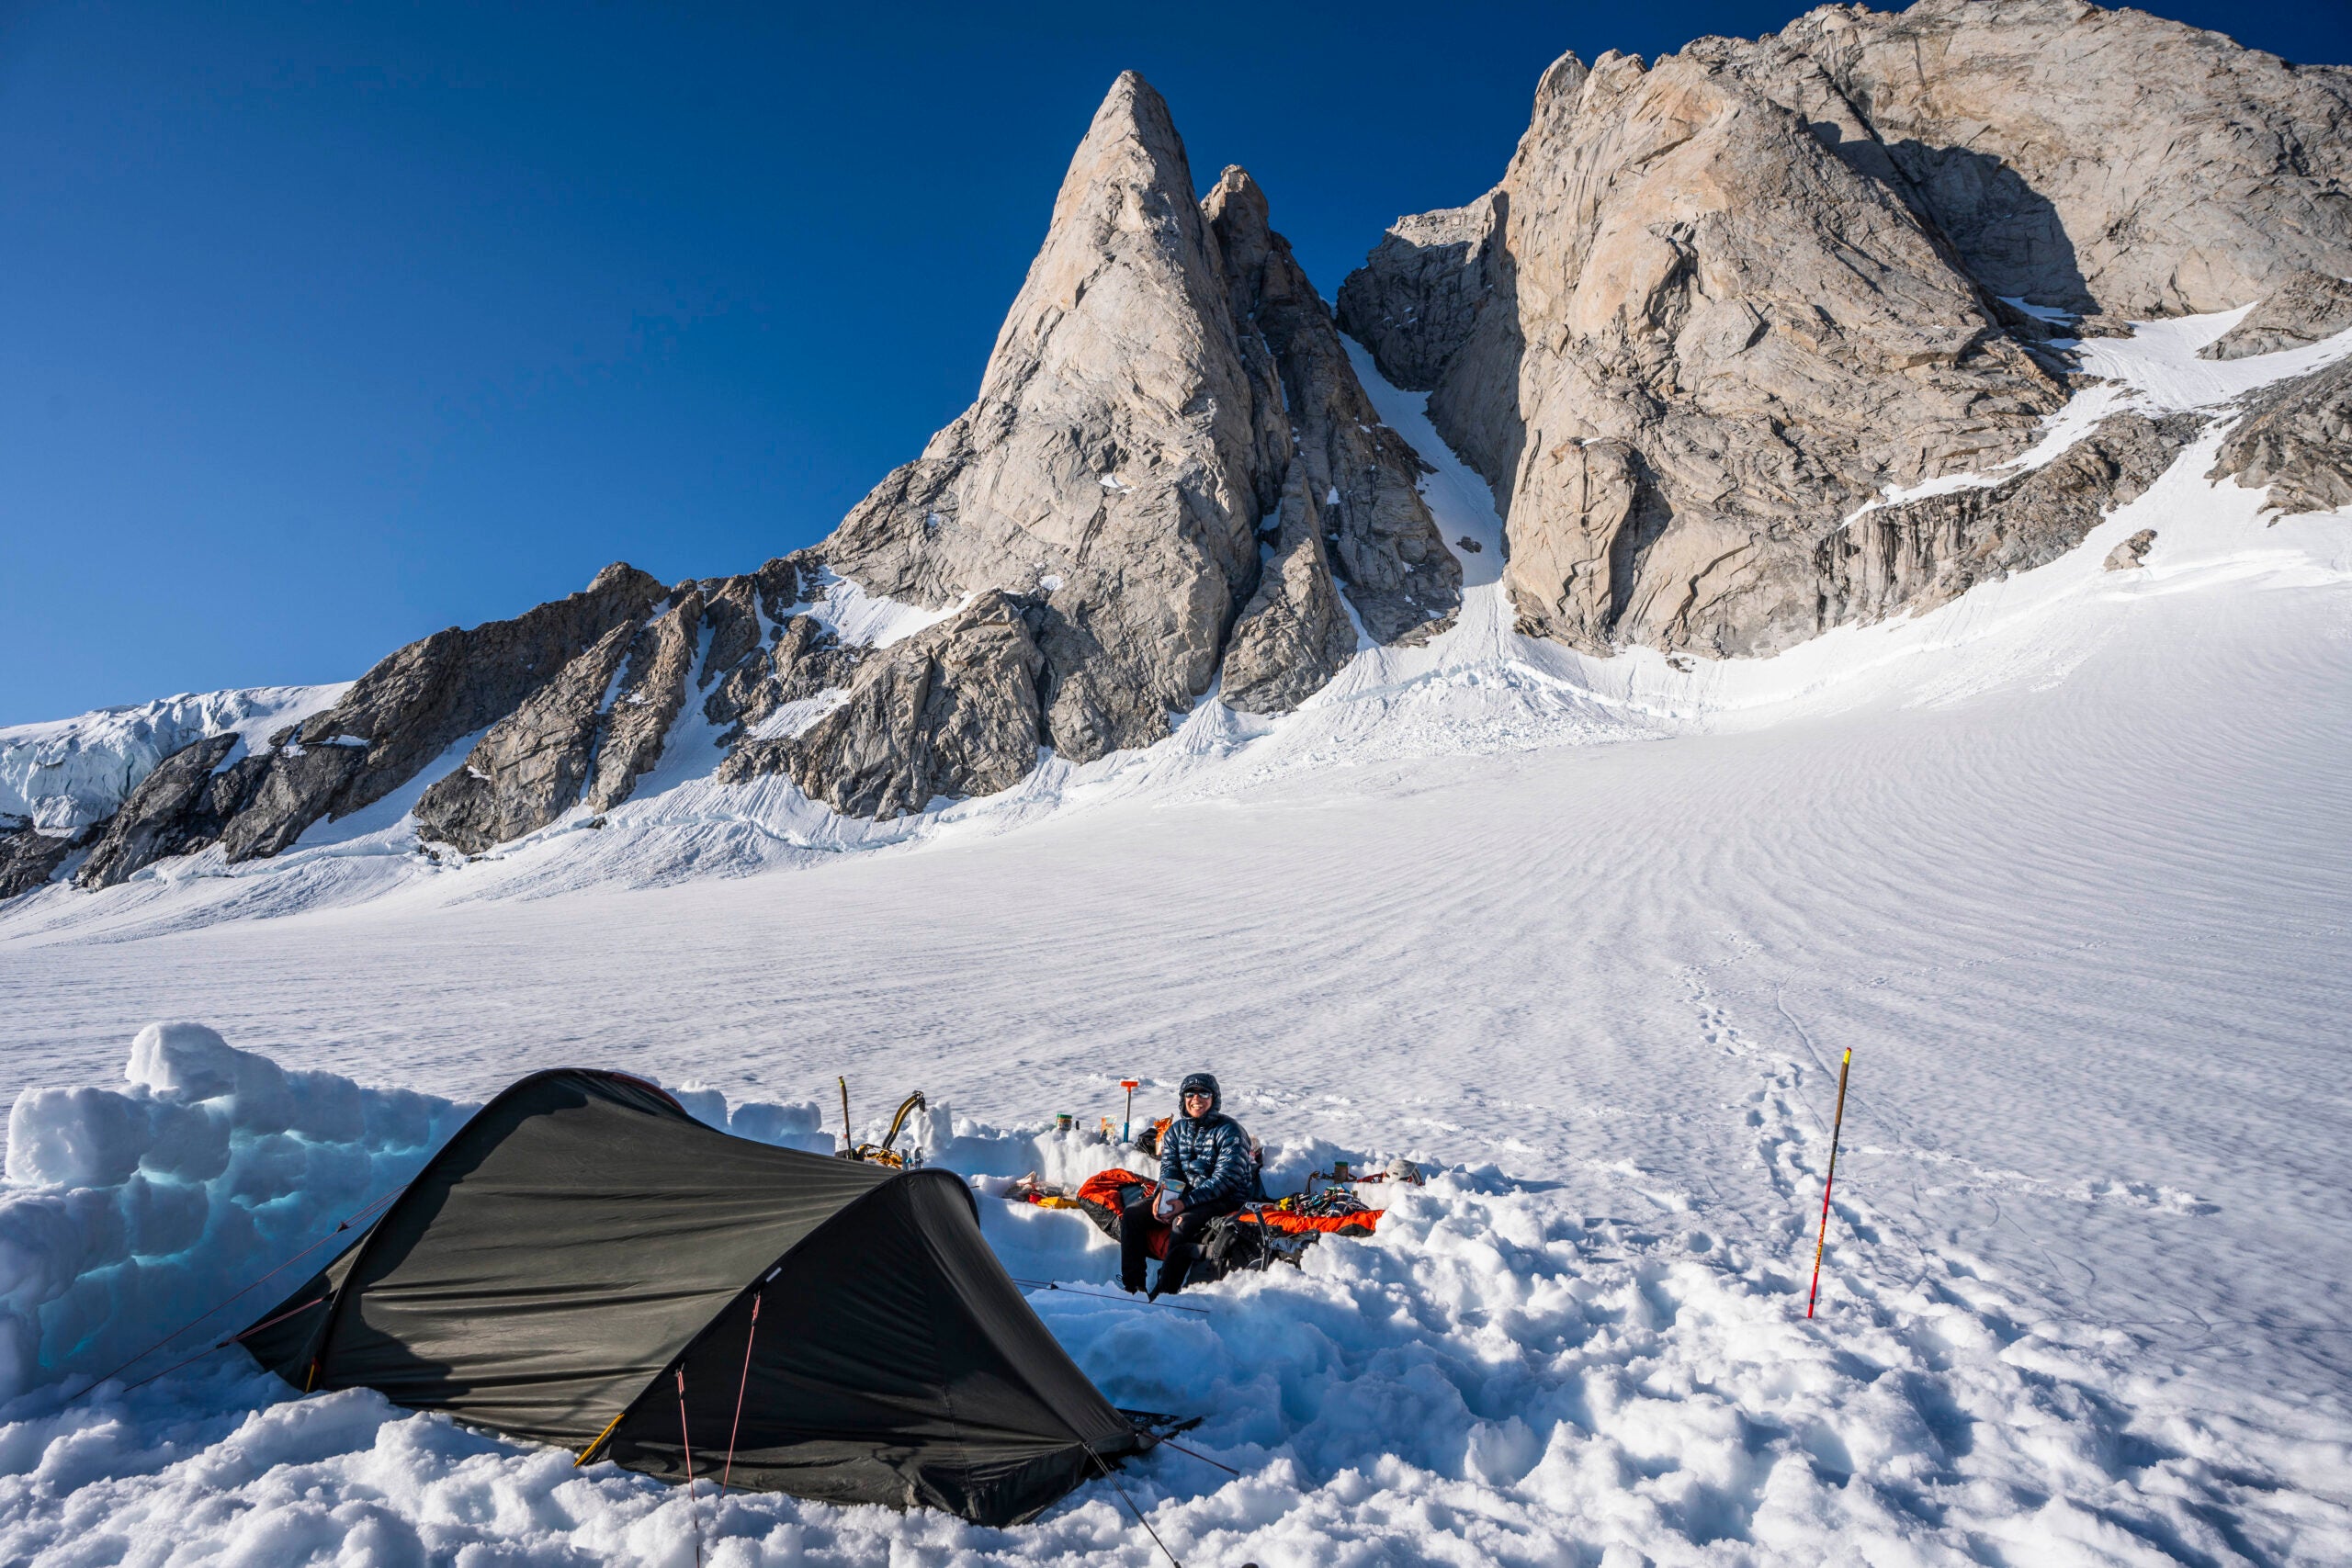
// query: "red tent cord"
[[224, 1344], [693, 1520], [749, 1335]]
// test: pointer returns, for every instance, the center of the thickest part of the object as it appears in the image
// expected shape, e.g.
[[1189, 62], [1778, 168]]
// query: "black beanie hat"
[[1200, 1083]]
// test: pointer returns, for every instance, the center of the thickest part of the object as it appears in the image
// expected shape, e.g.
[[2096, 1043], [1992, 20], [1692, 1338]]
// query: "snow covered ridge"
[[1498, 1374], [68, 774]]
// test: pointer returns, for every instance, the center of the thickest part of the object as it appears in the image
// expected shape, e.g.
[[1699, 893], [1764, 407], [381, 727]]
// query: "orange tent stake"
[[1837, 1127]]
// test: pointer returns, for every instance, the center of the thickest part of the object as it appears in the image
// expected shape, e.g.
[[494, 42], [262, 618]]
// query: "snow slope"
[[2063, 864]]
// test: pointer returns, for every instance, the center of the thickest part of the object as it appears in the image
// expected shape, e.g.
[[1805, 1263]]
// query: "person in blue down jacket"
[[1205, 1169]]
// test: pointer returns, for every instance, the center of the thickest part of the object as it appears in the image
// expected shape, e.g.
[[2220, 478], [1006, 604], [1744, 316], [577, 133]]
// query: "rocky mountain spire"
[[1161, 369], [1108, 470]]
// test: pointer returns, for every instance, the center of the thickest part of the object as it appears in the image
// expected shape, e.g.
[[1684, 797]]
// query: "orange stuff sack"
[[1361, 1222]]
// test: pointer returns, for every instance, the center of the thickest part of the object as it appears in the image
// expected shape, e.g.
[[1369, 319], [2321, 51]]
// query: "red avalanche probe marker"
[[1836, 1127], [1128, 1122]]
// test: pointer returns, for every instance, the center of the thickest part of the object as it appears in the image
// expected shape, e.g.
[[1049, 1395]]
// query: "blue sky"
[[325, 326]]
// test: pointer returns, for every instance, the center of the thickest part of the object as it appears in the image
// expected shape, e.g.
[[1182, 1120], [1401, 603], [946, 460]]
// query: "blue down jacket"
[[1209, 1155]]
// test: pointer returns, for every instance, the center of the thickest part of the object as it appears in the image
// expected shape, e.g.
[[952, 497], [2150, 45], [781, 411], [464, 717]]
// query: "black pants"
[[1135, 1225]]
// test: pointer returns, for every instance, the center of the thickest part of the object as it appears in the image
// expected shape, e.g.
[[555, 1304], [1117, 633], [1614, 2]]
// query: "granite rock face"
[[1415, 302], [1110, 462], [2078, 157], [1709, 340], [804, 661], [1719, 304], [2306, 308], [652, 693], [605, 720], [528, 770], [1926, 552], [951, 711], [153, 819], [2295, 437], [414, 705], [1294, 634], [1363, 477]]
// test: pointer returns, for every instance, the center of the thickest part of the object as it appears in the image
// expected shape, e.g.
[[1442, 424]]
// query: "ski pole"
[[1837, 1127], [849, 1139], [1126, 1123]]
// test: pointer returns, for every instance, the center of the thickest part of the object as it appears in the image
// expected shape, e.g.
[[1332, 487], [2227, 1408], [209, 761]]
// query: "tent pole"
[[592, 1447]]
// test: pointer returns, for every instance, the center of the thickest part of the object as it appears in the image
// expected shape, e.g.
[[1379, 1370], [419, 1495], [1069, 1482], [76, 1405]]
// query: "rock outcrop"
[[1719, 304], [605, 720], [1294, 634], [1110, 463], [950, 711], [1709, 340], [413, 706], [653, 692], [804, 660], [2295, 437], [529, 769], [158, 819], [1362, 476], [2306, 308], [2084, 158], [2132, 553], [1926, 552], [28, 858], [1416, 299]]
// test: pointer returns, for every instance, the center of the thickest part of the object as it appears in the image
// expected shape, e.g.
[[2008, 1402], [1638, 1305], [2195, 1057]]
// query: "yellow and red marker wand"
[[1837, 1127]]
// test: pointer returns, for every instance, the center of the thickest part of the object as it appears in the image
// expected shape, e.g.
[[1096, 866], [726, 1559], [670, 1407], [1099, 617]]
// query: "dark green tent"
[[582, 1240]]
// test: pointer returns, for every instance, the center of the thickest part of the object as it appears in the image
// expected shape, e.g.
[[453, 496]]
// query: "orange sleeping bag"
[[1362, 1221]]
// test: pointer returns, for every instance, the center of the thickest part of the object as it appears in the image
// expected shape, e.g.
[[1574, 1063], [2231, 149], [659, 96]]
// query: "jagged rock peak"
[[1135, 428]]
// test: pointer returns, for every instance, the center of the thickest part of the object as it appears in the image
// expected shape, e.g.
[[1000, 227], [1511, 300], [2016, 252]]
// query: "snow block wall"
[[182, 1206], [130, 1212]]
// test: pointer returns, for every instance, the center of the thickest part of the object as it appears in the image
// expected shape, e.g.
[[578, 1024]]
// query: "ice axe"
[[1126, 1124]]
